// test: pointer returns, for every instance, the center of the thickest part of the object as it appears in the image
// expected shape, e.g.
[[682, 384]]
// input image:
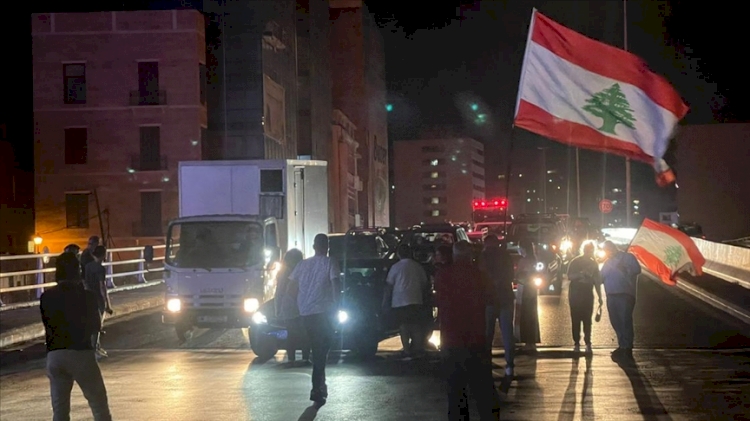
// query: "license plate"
[[212, 319]]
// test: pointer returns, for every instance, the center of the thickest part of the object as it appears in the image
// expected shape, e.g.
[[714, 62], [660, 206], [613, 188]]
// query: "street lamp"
[[37, 242]]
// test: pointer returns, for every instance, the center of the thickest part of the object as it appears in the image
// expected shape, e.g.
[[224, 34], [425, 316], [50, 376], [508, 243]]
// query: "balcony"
[[147, 229], [145, 163], [148, 98]]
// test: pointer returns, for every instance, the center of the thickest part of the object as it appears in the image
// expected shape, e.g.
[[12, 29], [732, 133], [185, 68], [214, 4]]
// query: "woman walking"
[[287, 310]]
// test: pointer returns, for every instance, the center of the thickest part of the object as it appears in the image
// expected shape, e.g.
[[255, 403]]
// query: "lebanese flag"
[[591, 95], [666, 251]]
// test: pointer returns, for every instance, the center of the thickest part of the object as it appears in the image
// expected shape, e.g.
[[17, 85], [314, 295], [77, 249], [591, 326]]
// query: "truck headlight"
[[174, 305], [251, 305], [259, 318], [537, 281], [566, 245], [539, 266], [343, 316]]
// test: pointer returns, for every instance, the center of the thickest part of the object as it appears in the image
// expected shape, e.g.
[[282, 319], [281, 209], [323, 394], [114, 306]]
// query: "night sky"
[[438, 63]]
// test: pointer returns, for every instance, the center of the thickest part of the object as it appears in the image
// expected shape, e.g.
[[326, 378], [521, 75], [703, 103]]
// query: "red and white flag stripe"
[[568, 81]]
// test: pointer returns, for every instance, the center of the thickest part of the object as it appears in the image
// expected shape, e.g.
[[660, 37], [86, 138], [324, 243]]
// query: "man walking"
[[71, 317], [318, 298], [497, 266], [463, 294], [409, 282], [95, 281], [620, 275], [584, 276]]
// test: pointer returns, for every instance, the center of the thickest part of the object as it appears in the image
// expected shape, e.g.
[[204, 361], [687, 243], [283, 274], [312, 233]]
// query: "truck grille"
[[212, 301]]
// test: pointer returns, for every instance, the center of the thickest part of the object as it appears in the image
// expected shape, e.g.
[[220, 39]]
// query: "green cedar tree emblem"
[[612, 107], [672, 256]]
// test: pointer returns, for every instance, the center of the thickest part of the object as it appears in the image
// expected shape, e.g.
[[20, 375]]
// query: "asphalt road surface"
[[693, 363]]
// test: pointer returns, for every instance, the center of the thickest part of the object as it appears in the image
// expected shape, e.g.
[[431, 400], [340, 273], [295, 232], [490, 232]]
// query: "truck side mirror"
[[148, 254]]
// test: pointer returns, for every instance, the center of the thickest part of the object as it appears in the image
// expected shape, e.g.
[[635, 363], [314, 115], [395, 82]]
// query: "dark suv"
[[549, 233]]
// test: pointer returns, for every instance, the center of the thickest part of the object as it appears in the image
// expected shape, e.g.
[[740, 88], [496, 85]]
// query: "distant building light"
[[474, 107], [520, 175], [550, 180], [435, 201], [635, 207], [501, 176], [393, 187], [636, 201], [528, 200], [434, 162], [453, 157], [464, 172], [558, 187], [165, 179], [434, 174], [194, 142], [389, 107], [435, 212], [131, 171]]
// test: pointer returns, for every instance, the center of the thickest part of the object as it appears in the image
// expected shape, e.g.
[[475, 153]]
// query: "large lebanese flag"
[[666, 251], [591, 95]]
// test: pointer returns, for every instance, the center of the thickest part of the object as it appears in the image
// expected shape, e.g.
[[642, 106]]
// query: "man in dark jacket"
[[88, 254], [497, 266], [71, 316], [463, 294]]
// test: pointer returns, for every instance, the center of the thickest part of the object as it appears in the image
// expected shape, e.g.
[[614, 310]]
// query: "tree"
[[612, 107]]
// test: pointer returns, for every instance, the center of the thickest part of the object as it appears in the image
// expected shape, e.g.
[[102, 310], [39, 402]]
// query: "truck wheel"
[[183, 332], [264, 346]]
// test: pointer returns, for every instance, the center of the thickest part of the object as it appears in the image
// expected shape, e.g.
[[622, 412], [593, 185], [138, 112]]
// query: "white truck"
[[236, 220]]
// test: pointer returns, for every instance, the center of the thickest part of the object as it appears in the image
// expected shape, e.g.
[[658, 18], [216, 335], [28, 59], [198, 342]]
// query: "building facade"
[[437, 179], [344, 179], [119, 99], [16, 210], [359, 91]]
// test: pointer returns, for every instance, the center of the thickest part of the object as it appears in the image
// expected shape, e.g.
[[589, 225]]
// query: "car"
[[424, 239], [549, 233], [358, 244], [359, 324]]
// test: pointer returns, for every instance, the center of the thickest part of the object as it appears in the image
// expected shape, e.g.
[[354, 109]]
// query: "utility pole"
[[627, 160]]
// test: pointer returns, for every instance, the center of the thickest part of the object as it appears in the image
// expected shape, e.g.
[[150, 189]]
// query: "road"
[[686, 370]]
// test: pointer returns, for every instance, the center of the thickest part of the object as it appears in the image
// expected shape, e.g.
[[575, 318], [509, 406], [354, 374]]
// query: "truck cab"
[[219, 269]]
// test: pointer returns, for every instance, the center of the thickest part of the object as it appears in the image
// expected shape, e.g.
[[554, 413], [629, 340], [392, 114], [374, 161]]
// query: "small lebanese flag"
[[666, 251], [591, 95]]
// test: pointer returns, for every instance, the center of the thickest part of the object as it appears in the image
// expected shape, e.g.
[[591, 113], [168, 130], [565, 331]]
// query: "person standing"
[[529, 318], [409, 282], [287, 310], [497, 266], [87, 256], [620, 277], [318, 298], [70, 315], [463, 294], [95, 281], [584, 276]]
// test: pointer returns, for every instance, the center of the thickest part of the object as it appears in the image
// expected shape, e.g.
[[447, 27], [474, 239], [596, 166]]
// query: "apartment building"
[[119, 99], [437, 179]]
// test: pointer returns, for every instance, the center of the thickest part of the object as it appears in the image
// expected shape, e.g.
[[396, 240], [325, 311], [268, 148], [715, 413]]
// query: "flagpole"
[[627, 159], [578, 183]]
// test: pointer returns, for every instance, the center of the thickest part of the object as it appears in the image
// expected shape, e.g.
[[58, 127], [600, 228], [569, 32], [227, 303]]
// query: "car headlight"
[[174, 305], [539, 266], [566, 245], [537, 281], [343, 316], [251, 305], [260, 318]]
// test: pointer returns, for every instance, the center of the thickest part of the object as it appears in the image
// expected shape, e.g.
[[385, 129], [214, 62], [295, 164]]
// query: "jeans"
[[505, 316], [620, 308], [319, 330], [96, 337], [297, 339], [65, 366], [411, 328], [472, 368], [581, 300]]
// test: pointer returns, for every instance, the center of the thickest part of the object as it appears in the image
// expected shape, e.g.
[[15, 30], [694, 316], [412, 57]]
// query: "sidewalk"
[[25, 324]]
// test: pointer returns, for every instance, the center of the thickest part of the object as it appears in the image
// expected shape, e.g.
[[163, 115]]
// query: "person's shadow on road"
[[568, 407], [649, 404], [309, 413]]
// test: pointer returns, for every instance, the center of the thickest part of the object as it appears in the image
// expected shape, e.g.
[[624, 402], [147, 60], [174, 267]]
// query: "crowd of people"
[[471, 295]]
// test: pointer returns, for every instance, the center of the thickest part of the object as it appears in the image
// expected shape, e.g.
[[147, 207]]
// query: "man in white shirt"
[[318, 298], [409, 282]]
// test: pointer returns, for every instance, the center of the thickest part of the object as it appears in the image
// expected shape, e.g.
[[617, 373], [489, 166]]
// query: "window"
[[434, 187], [148, 83], [76, 146], [203, 77], [477, 175], [477, 163], [271, 181], [150, 156], [435, 212], [426, 149], [77, 210], [150, 214], [432, 162], [435, 201], [74, 83], [434, 174]]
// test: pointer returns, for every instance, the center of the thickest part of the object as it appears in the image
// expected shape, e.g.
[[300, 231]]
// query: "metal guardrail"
[[42, 261]]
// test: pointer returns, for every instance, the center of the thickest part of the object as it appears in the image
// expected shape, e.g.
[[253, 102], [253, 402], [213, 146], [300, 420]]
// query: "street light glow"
[[474, 107], [389, 107]]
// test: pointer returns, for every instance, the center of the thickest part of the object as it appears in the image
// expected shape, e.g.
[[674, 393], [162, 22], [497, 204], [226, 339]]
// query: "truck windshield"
[[213, 245]]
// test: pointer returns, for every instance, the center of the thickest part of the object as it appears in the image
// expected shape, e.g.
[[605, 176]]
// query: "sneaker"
[[577, 348], [102, 353], [589, 351], [509, 372]]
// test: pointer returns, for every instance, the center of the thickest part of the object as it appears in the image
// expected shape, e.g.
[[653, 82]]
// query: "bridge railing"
[[23, 278]]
